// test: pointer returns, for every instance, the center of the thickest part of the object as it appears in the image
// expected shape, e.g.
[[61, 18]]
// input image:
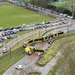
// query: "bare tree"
[[70, 5]]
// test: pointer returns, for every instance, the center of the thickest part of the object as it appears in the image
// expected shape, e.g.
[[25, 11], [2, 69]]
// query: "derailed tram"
[[30, 49]]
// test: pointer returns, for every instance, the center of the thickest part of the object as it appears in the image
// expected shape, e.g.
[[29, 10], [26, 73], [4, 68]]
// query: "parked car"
[[4, 50], [1, 40], [21, 29], [4, 38], [1, 44], [61, 14], [13, 31], [3, 33], [64, 22], [11, 28], [5, 29], [19, 67], [0, 33], [9, 36], [7, 33], [18, 27]]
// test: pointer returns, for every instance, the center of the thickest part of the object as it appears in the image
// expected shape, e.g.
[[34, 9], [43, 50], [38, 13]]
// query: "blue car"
[[1, 40]]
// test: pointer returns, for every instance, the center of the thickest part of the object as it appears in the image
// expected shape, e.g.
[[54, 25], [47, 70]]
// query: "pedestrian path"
[[50, 64]]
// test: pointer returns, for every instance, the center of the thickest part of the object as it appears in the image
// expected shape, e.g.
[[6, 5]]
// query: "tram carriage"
[[30, 50]]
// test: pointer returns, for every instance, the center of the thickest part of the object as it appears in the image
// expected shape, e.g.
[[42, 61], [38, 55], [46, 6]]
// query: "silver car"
[[19, 67]]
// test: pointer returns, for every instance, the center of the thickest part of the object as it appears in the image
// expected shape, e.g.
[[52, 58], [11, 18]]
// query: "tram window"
[[40, 38], [39, 50], [55, 34], [35, 39], [51, 35], [60, 33], [48, 36], [30, 41], [45, 37]]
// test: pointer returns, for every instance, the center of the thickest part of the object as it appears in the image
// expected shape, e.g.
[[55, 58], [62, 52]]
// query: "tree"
[[70, 5], [34, 2], [67, 63], [59, 9], [41, 3], [25, 2]]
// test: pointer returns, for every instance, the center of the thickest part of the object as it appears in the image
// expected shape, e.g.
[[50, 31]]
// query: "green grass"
[[6, 61], [49, 73], [11, 15], [57, 4], [8, 40], [1, 46], [66, 63], [33, 73]]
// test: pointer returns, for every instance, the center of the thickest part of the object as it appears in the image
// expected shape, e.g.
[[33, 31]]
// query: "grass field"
[[58, 4], [11, 15]]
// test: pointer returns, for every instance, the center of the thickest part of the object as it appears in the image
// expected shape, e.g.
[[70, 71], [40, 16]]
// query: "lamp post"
[[39, 33], [10, 52], [68, 31]]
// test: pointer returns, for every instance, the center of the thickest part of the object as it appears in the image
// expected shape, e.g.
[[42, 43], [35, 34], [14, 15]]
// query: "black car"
[[5, 29], [8, 37], [7, 33]]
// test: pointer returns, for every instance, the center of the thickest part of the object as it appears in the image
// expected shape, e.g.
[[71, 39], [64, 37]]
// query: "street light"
[[39, 33], [10, 52], [68, 31]]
